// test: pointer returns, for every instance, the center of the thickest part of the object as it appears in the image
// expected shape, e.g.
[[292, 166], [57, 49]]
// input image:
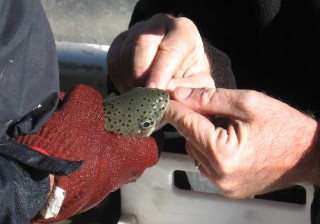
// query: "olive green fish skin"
[[137, 112]]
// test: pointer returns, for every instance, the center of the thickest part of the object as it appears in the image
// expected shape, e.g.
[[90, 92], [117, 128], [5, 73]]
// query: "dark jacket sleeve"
[[29, 81], [29, 91], [23, 192]]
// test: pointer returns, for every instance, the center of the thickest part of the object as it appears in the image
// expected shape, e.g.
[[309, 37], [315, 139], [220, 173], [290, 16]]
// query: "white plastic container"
[[154, 199]]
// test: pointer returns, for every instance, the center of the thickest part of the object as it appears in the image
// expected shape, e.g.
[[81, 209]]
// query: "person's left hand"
[[161, 52], [257, 144], [76, 132]]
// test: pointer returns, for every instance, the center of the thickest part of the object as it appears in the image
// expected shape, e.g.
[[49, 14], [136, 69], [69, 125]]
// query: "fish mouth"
[[160, 125]]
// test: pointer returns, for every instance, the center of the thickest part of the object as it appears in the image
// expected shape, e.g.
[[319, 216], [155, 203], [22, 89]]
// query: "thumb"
[[211, 101], [191, 125]]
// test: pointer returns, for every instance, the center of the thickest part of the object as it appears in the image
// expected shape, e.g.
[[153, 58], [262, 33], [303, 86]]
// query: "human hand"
[[76, 132], [256, 144], [162, 52]]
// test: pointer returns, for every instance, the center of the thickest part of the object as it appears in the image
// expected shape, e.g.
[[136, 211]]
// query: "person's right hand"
[[258, 144], [162, 52]]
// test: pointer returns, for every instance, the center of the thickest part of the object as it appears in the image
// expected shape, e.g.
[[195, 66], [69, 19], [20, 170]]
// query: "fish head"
[[137, 112]]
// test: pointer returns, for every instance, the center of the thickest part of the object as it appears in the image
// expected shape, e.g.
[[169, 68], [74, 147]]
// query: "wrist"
[[51, 183], [311, 162]]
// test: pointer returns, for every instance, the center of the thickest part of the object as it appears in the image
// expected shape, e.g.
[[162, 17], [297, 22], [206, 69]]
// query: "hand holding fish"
[[162, 52], [252, 147], [76, 132]]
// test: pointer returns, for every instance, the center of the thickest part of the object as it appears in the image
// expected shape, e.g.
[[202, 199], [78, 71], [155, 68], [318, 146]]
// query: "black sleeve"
[[23, 193], [220, 65], [29, 81], [29, 91], [315, 206], [24, 182]]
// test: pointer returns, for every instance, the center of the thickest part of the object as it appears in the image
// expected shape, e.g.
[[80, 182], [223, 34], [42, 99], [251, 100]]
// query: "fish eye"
[[146, 124]]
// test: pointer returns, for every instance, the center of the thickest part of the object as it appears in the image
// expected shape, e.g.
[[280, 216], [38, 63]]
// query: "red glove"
[[76, 132]]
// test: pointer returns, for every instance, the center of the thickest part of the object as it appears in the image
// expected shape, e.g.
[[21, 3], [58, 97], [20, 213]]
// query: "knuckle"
[[206, 95], [188, 128], [189, 30], [144, 40], [161, 16], [187, 121], [230, 188], [227, 165], [175, 49], [184, 22], [186, 33], [225, 186], [249, 99], [227, 169]]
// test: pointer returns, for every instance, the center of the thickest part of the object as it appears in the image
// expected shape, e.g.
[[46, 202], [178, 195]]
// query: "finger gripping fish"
[[135, 113]]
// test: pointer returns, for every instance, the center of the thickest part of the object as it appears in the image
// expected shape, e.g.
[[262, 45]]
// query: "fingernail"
[[183, 92], [151, 85]]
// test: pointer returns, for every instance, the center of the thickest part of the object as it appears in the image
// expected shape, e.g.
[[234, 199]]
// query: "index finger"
[[213, 101], [172, 51], [145, 47], [212, 141], [193, 126]]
